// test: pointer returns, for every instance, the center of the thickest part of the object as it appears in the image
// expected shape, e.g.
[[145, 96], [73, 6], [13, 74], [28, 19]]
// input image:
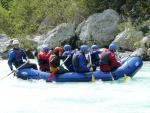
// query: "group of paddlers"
[[86, 59]]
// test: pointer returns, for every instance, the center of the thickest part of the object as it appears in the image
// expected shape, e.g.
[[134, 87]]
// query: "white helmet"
[[15, 42]]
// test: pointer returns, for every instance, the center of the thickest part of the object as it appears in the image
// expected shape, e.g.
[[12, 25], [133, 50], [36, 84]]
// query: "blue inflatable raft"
[[129, 67]]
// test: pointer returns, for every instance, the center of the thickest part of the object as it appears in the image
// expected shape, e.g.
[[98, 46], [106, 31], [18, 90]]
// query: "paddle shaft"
[[93, 78], [13, 72], [22, 65], [112, 77], [90, 58], [65, 61], [53, 73]]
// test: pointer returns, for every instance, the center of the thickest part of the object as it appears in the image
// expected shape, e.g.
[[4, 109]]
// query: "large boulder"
[[3, 38], [5, 45], [148, 53], [121, 55], [145, 42], [100, 28], [126, 39], [58, 36], [145, 45], [140, 53]]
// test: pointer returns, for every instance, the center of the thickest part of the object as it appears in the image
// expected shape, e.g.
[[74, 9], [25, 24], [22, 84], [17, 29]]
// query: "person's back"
[[94, 55], [108, 60], [79, 60], [43, 59], [67, 52]]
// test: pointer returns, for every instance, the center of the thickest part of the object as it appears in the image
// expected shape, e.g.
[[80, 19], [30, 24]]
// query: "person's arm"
[[65, 53], [25, 55], [11, 55], [113, 60], [63, 57], [72, 52], [82, 63], [45, 55], [95, 52]]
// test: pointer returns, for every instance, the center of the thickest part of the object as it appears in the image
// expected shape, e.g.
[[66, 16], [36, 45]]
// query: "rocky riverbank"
[[100, 28]]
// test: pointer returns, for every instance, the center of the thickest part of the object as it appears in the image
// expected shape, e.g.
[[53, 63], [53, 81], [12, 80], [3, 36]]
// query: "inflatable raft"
[[129, 67]]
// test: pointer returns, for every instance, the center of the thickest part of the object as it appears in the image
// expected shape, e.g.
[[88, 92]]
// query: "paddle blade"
[[51, 75], [125, 77], [93, 79]]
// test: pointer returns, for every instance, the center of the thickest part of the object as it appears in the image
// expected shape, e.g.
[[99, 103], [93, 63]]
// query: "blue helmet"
[[94, 46], [45, 48], [66, 47], [84, 47], [112, 47]]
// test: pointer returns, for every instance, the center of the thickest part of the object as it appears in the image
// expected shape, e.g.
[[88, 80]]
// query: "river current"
[[29, 96]]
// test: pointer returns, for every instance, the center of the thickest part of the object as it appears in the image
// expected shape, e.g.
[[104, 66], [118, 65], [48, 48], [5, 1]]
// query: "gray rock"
[[126, 39], [57, 36], [5, 47], [140, 53], [100, 28], [3, 38]]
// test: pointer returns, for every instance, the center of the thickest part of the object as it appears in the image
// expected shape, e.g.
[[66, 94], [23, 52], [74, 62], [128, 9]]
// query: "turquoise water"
[[20, 96]]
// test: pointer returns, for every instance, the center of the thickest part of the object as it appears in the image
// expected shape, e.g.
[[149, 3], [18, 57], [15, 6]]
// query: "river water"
[[22, 96]]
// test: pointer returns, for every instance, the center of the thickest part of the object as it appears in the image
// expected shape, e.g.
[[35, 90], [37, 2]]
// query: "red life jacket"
[[110, 61], [104, 57], [43, 58]]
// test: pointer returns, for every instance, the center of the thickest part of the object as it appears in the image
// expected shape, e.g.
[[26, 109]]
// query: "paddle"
[[54, 72], [110, 71], [112, 77], [125, 77], [13, 71], [93, 78]]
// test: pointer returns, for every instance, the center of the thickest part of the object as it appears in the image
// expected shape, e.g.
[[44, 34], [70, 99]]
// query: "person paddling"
[[54, 61], [43, 58], [67, 52], [16, 56], [94, 52], [79, 60], [108, 60]]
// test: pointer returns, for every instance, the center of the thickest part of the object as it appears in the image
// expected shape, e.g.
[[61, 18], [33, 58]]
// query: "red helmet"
[[58, 49]]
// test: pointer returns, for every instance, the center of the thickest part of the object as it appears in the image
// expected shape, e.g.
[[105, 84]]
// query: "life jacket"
[[54, 61], [104, 57], [75, 60], [18, 56], [42, 61], [95, 58]]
